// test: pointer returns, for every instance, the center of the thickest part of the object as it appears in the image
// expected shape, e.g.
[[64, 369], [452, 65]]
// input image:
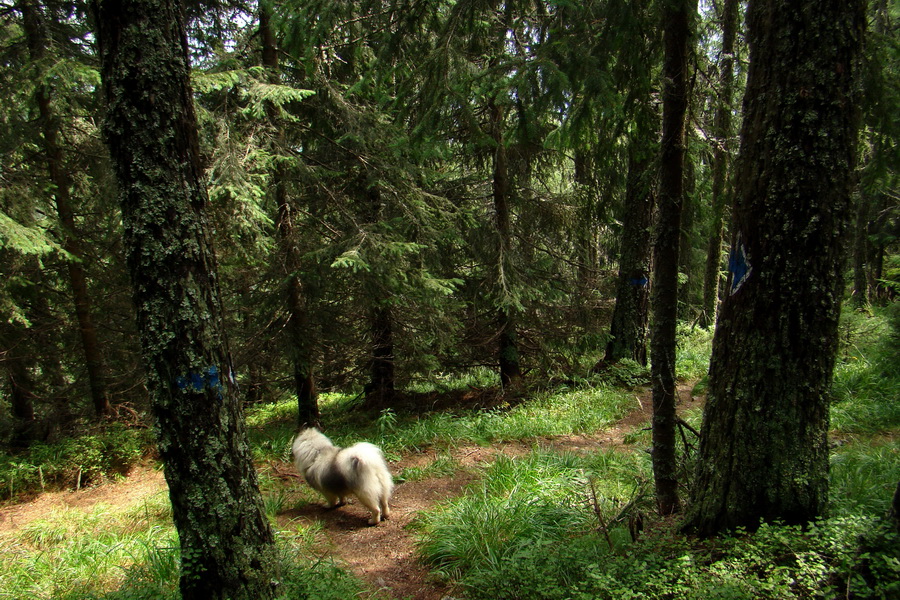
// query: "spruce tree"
[[227, 545], [763, 451], [677, 15], [721, 161]]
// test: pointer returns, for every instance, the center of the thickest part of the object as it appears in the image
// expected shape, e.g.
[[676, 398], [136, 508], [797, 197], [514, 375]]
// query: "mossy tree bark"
[[664, 298], [227, 544], [763, 452]]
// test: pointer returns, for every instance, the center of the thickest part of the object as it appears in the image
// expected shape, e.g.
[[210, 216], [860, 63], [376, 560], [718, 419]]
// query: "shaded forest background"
[[496, 207], [400, 192]]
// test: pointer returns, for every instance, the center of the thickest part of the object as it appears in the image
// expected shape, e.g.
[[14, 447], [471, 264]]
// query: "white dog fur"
[[359, 469]]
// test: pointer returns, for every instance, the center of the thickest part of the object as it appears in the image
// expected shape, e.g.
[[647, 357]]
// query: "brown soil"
[[142, 482], [384, 556]]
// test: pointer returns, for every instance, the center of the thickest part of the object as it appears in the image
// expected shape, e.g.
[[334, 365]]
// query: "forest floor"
[[384, 556]]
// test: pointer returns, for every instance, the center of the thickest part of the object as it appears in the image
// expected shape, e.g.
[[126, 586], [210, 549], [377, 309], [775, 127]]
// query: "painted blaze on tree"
[[227, 545], [764, 452]]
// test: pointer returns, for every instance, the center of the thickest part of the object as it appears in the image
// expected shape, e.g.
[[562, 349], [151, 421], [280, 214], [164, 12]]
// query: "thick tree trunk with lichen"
[[764, 453], [227, 544]]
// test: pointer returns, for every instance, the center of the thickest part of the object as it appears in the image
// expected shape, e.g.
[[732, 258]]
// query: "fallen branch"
[[595, 504]]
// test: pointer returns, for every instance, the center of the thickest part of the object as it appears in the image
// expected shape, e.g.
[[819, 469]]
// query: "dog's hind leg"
[[385, 507], [332, 501], [373, 505]]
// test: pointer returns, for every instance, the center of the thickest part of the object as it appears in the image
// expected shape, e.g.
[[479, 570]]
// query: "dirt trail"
[[384, 556], [142, 482]]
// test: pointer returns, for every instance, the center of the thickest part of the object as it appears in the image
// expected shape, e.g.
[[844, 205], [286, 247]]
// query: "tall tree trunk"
[[861, 250], [227, 545], [15, 359], [508, 349], [664, 300], [878, 291], [686, 305], [763, 451], [587, 244], [380, 391], [868, 256], [299, 339], [631, 315], [721, 159], [38, 41]]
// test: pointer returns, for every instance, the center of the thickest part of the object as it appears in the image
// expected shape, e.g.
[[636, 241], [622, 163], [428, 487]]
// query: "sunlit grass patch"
[[478, 377], [560, 411], [523, 502], [443, 465], [548, 413], [132, 552], [77, 554]]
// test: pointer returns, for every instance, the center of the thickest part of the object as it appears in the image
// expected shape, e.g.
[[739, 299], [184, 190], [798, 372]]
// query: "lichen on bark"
[[763, 452], [227, 545]]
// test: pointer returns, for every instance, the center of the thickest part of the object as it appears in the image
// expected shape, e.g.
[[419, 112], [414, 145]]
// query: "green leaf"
[[261, 95], [23, 239], [351, 259]]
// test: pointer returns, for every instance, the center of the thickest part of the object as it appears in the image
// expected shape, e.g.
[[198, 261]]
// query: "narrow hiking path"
[[383, 556]]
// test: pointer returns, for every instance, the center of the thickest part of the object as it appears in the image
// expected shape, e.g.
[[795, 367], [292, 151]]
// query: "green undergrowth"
[[527, 504], [867, 377], [545, 527], [580, 405], [530, 529], [131, 553], [566, 410], [107, 452]]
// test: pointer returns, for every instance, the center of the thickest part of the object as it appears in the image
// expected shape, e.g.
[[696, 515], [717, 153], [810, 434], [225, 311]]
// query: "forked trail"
[[384, 556]]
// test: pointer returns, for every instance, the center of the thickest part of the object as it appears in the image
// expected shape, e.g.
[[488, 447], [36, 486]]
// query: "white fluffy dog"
[[338, 472]]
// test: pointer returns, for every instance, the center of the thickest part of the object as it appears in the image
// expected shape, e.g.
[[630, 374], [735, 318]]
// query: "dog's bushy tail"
[[369, 466], [371, 479]]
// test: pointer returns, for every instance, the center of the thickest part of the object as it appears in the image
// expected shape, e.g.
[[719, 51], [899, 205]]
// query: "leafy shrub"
[[73, 462], [626, 373]]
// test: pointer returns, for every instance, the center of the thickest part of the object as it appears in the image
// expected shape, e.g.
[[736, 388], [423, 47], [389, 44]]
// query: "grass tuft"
[[521, 503]]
